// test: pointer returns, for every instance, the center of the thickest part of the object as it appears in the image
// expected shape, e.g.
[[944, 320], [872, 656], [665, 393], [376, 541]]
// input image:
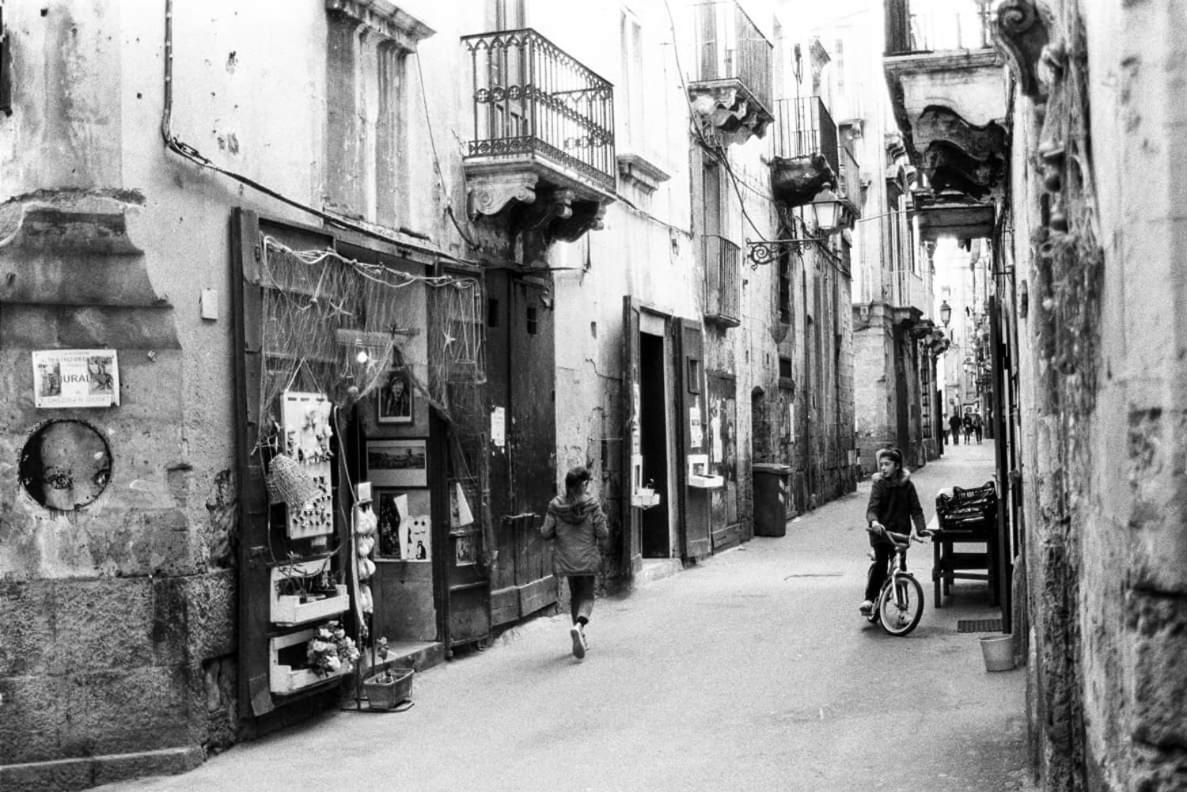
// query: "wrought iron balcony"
[[956, 25], [723, 294], [807, 152], [803, 127], [543, 129], [732, 84]]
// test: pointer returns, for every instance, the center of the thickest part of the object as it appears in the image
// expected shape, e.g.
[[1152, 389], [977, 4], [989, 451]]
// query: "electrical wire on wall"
[[437, 159]]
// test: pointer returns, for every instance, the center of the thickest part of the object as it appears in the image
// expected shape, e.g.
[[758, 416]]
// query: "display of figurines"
[[365, 529]]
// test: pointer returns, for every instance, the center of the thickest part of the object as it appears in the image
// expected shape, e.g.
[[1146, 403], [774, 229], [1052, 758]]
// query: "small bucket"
[[998, 652]]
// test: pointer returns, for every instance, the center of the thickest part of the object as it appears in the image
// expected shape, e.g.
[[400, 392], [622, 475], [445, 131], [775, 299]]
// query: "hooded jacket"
[[895, 504], [578, 528]]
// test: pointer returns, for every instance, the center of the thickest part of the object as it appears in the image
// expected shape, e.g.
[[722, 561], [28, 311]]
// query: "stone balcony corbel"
[[490, 194], [1023, 30]]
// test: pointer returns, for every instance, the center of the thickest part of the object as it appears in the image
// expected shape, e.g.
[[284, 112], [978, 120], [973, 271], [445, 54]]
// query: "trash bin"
[[771, 491]]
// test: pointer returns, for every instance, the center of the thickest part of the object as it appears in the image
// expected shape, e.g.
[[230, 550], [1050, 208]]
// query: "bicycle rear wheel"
[[901, 608]]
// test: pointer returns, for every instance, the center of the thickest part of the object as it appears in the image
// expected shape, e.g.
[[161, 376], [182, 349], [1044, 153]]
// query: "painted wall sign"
[[76, 378]]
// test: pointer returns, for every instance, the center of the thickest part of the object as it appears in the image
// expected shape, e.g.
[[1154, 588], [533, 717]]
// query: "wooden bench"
[[965, 517]]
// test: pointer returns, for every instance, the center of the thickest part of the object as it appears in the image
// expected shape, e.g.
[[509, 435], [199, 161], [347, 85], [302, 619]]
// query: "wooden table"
[[966, 517]]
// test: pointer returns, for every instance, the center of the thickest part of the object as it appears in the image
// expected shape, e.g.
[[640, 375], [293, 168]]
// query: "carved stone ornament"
[[731, 111], [1021, 30], [586, 216], [490, 194], [550, 205]]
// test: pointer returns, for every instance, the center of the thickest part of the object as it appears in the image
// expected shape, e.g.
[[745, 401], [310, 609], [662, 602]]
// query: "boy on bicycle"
[[894, 506]]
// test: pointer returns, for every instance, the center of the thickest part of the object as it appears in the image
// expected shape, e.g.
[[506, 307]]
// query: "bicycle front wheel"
[[901, 605]]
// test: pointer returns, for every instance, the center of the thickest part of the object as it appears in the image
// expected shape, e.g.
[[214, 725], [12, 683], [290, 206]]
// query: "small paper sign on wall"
[[76, 378]]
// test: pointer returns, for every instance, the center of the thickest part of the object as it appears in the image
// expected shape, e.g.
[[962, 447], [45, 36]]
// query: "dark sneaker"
[[866, 607], [578, 641]]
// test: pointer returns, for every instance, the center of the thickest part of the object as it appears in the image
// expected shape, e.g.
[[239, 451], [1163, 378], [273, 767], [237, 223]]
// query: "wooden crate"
[[285, 679], [287, 609]]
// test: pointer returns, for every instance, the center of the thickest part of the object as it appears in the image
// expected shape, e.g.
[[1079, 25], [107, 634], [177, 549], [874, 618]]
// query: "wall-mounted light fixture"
[[827, 213], [945, 313]]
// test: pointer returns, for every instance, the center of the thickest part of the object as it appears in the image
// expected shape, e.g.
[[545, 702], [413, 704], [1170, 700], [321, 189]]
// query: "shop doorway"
[[653, 400]]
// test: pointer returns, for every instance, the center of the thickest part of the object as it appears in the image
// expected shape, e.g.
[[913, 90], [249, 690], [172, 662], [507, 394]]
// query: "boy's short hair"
[[575, 477], [894, 454]]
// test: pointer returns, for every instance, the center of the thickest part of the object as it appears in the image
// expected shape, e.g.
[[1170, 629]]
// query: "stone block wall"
[[1104, 428]]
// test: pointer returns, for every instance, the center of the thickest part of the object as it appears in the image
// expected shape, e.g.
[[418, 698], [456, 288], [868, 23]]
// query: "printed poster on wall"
[[76, 378]]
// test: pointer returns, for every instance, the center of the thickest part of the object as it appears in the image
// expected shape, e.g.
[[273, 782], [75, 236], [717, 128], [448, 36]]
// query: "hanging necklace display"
[[305, 428]]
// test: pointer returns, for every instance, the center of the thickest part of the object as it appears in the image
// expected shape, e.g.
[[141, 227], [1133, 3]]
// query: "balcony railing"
[[805, 127], [730, 47], [933, 25], [531, 98], [723, 294]]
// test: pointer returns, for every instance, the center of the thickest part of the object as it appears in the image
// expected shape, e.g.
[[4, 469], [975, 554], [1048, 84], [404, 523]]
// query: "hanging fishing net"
[[337, 326]]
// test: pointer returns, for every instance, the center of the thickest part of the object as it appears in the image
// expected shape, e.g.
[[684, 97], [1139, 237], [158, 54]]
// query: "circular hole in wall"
[[65, 465]]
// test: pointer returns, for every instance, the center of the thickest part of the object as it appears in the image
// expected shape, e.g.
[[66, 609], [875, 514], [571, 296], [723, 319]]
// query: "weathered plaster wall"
[[122, 613], [1107, 551]]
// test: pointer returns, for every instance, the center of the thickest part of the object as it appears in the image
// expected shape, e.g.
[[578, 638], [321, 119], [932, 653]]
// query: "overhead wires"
[[713, 148]]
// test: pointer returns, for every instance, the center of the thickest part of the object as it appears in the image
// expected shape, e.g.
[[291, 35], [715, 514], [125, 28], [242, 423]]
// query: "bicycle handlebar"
[[901, 540]]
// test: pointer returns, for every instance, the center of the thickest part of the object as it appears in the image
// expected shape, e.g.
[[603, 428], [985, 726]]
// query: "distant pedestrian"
[[978, 425], [894, 506], [954, 424], [968, 428], [577, 526]]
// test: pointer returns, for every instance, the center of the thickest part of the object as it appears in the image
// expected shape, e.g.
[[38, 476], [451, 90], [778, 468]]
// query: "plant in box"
[[331, 650], [391, 686]]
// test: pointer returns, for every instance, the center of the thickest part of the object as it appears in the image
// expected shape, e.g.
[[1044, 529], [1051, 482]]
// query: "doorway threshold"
[[408, 654], [654, 569]]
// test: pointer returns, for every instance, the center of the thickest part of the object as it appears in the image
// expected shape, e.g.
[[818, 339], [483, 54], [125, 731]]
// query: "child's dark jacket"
[[895, 504]]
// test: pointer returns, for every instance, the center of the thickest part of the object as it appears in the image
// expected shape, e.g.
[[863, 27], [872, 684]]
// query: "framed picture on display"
[[395, 398], [397, 463]]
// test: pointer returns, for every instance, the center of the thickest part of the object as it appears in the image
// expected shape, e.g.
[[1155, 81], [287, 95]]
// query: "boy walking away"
[[576, 525], [894, 506]]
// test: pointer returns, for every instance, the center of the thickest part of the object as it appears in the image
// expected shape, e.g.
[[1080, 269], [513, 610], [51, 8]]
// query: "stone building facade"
[[177, 190]]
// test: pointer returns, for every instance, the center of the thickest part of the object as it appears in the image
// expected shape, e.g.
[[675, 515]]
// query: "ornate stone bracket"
[[938, 123], [949, 168], [1023, 31], [731, 111], [489, 195], [550, 205], [586, 216]]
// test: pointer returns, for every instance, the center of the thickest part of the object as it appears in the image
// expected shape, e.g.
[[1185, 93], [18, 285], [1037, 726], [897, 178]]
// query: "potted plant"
[[331, 650], [390, 687]]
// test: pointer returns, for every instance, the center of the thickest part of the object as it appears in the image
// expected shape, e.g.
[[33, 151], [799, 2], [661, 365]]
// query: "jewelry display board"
[[305, 423]]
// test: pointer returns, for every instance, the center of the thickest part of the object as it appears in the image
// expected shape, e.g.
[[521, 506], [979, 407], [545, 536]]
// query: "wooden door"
[[520, 380], [692, 440]]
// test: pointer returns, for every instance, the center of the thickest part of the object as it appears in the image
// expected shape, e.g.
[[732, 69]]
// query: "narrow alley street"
[[752, 671]]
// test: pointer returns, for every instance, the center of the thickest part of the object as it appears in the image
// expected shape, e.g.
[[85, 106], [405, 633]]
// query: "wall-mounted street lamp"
[[827, 213], [945, 313]]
